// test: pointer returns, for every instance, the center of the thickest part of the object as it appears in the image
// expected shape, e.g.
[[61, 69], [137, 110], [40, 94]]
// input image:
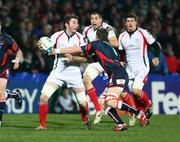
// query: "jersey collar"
[[68, 35], [130, 33]]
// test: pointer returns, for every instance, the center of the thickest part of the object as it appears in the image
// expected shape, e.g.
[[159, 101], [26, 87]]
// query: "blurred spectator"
[[162, 68], [171, 59], [28, 20], [65, 102]]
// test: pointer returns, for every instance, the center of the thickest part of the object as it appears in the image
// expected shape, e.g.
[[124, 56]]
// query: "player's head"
[[71, 23], [130, 22], [96, 19], [102, 34]]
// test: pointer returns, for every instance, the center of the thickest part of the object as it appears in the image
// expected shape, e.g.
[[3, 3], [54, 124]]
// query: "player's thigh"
[[140, 79], [93, 70], [112, 95], [80, 95], [115, 91], [118, 78], [48, 89], [3, 84]]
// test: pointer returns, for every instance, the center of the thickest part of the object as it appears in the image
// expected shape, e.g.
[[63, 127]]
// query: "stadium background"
[[27, 21]]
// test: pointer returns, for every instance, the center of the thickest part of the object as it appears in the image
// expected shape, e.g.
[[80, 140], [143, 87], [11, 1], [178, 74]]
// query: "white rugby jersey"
[[90, 33], [62, 40], [135, 46]]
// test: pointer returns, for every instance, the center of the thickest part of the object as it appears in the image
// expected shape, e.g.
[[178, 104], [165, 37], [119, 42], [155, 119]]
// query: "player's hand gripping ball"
[[45, 44]]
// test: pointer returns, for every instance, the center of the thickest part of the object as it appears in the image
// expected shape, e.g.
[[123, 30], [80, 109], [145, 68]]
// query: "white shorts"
[[137, 77], [71, 76]]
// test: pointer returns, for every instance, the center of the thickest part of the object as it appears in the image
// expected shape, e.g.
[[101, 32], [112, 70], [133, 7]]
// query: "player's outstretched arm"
[[113, 41], [18, 58], [79, 58], [68, 50]]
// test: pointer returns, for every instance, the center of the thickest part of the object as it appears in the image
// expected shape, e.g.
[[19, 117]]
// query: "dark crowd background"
[[26, 21]]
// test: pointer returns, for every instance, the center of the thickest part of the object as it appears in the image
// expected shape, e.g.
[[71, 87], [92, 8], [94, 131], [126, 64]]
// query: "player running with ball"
[[64, 72]]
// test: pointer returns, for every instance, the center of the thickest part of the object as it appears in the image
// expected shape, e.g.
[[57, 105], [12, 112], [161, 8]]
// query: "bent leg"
[[3, 96], [48, 89], [82, 101], [89, 75]]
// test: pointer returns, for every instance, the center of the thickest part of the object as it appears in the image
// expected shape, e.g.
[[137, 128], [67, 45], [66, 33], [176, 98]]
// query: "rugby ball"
[[47, 44]]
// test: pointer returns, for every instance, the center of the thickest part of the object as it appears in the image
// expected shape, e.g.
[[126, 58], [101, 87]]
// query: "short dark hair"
[[96, 12], [68, 18], [130, 15], [102, 34]]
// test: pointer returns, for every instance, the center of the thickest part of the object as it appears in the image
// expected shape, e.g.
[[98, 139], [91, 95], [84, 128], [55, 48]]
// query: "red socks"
[[84, 112], [43, 110], [145, 99], [142, 102], [92, 95], [128, 100]]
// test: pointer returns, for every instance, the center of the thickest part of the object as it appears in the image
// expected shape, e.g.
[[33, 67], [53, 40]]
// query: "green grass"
[[68, 128]]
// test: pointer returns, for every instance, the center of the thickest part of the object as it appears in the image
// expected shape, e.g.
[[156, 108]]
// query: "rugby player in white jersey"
[[134, 42], [95, 69], [64, 72]]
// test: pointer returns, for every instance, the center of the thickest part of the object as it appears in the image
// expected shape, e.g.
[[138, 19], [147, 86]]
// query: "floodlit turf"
[[68, 128]]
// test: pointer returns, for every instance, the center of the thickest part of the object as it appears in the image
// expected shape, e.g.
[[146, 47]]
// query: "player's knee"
[[2, 96], [46, 92], [136, 92], [102, 100], [87, 79], [43, 99], [111, 99], [102, 103], [123, 94], [81, 98], [2, 93]]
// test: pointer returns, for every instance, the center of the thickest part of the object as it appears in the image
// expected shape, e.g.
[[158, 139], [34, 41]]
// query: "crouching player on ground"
[[118, 78]]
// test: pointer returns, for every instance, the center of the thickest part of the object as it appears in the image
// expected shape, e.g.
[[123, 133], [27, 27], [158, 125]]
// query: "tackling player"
[[95, 69], [134, 42], [64, 72], [118, 77], [7, 45]]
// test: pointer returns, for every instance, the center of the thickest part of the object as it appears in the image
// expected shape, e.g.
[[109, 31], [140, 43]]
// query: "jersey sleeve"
[[82, 41], [89, 48], [150, 39], [54, 37], [12, 44], [111, 32], [84, 32]]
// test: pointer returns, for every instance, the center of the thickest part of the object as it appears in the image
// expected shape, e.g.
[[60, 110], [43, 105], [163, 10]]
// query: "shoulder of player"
[[79, 35], [143, 30], [122, 34], [7, 37], [107, 27], [56, 34], [87, 28]]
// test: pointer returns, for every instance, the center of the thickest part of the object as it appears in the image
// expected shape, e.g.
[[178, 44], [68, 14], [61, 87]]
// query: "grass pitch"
[[69, 128]]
